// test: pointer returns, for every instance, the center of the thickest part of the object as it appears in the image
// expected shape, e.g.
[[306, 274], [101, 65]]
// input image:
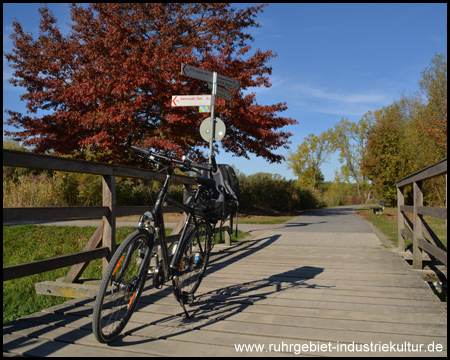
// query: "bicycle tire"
[[121, 287], [192, 265]]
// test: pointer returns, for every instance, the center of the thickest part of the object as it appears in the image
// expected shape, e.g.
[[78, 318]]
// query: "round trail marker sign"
[[206, 132]]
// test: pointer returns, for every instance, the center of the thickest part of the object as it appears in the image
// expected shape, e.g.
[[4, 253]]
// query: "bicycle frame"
[[159, 229]]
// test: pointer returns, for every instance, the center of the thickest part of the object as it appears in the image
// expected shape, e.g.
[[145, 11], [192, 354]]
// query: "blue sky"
[[333, 61]]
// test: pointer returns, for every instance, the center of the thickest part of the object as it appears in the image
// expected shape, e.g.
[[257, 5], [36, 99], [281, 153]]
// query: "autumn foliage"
[[116, 71]]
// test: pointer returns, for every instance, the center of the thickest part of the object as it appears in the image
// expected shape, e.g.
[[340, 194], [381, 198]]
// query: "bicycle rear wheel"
[[121, 286], [192, 265]]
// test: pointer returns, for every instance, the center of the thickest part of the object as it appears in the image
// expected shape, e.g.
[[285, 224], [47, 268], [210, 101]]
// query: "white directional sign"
[[191, 100], [206, 75]]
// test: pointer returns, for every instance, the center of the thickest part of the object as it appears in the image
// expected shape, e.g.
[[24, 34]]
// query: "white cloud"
[[318, 93], [312, 98]]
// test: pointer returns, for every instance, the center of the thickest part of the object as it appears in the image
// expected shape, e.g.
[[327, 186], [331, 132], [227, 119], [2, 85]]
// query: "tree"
[[116, 71], [433, 119], [409, 135], [351, 139], [310, 155], [387, 159]]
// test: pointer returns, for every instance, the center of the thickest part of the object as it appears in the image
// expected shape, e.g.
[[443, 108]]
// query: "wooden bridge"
[[319, 285], [322, 284]]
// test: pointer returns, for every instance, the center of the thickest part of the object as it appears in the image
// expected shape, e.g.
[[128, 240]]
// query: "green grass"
[[241, 235]]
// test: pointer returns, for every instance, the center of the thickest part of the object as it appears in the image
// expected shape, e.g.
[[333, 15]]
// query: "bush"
[[30, 191], [75, 189], [261, 192], [264, 192]]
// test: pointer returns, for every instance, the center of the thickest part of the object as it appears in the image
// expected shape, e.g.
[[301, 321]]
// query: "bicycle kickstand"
[[184, 309]]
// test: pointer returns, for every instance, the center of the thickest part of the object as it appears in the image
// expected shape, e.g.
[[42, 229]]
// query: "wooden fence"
[[419, 227], [103, 242]]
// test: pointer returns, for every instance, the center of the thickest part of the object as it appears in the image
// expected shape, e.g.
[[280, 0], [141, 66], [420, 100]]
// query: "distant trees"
[[433, 116], [386, 144], [410, 134]]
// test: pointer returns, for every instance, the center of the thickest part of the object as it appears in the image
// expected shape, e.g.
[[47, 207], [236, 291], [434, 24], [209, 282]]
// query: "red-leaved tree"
[[117, 69]]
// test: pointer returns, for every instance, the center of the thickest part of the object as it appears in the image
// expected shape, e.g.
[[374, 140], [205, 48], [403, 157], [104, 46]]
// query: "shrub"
[[264, 192], [30, 191]]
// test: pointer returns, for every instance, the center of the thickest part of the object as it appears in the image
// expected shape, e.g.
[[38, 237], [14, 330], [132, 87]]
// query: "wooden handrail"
[[419, 226]]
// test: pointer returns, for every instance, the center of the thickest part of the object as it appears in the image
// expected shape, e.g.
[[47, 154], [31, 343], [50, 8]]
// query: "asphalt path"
[[342, 219]]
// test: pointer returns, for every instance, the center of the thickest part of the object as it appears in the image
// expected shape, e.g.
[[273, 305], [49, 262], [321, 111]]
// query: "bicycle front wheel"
[[192, 265], [121, 286]]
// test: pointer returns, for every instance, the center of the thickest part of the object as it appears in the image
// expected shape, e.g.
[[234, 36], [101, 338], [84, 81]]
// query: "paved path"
[[320, 285]]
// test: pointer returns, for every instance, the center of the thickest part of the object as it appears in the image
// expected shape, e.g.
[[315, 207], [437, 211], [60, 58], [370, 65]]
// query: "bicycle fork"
[[131, 286]]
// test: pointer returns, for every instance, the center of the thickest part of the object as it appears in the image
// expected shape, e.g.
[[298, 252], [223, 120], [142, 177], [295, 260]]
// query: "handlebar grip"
[[140, 150]]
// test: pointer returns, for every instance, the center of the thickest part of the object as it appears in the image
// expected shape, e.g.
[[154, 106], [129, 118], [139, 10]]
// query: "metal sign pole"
[[213, 122]]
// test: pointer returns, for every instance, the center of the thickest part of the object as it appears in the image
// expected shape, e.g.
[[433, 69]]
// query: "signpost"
[[216, 79]]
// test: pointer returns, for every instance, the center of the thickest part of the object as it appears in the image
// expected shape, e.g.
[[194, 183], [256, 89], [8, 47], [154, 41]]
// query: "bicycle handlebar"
[[185, 165]]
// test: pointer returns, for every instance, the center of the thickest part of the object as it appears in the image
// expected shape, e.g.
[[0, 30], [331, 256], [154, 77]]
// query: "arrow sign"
[[191, 100], [222, 92], [205, 75]]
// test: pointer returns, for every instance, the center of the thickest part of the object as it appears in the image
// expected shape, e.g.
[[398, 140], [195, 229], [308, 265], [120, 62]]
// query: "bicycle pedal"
[[158, 277]]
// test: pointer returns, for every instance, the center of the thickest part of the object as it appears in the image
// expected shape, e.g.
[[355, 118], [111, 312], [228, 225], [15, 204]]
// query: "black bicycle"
[[126, 274]]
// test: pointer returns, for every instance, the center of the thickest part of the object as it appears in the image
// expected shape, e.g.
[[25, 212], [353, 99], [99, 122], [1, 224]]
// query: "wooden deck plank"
[[283, 288], [37, 347], [219, 310], [307, 321]]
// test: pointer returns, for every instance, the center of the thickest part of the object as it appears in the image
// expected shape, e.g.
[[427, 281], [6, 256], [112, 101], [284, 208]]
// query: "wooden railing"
[[419, 226], [103, 243]]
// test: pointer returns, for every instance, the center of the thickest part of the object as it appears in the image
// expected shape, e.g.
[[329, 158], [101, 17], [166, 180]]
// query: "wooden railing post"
[[227, 234], [418, 226], [401, 220], [109, 221], [186, 192]]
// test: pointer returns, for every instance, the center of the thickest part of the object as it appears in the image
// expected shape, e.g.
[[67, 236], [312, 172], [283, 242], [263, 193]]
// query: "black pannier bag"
[[221, 202]]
